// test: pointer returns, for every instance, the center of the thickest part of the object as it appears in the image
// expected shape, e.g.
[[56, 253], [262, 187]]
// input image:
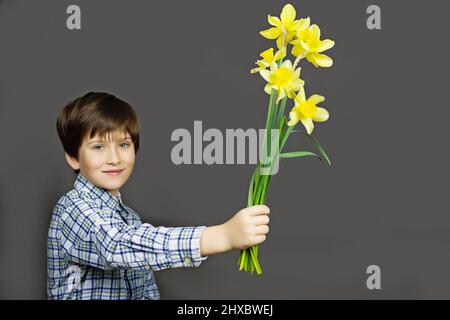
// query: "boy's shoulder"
[[72, 197]]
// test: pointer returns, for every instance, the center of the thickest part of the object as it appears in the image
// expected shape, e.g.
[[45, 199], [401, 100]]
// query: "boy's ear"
[[72, 162]]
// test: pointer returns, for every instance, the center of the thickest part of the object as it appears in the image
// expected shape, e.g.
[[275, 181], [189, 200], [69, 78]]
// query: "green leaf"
[[282, 129], [264, 191], [281, 112], [250, 190], [286, 135], [261, 187], [296, 154], [319, 147], [269, 121], [247, 260], [244, 255], [255, 259]]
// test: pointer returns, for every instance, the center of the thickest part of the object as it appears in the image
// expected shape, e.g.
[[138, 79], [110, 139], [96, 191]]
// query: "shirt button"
[[187, 261], [147, 267]]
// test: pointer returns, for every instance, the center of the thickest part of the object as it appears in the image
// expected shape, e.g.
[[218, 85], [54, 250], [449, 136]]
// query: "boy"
[[98, 248]]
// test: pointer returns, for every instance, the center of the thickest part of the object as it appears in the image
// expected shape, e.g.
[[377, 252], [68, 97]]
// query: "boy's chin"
[[110, 186]]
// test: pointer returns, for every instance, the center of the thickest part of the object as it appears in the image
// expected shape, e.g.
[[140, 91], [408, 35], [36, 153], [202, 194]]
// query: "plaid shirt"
[[98, 248]]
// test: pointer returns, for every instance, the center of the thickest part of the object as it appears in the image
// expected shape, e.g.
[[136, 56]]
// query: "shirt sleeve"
[[92, 236]]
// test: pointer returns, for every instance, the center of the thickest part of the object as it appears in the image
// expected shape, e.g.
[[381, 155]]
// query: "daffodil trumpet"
[[284, 84]]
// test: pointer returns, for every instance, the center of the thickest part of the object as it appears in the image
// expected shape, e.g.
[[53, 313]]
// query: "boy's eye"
[[98, 147]]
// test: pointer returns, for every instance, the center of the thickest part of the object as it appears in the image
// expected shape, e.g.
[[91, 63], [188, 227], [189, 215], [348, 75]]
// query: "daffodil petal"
[[265, 74], [281, 42], [315, 31], [316, 99], [255, 70], [321, 115], [310, 58], [305, 45], [290, 36], [273, 67], [281, 95], [267, 54], [297, 50], [291, 92], [304, 23], [287, 64], [295, 26], [280, 54], [297, 72], [274, 21], [297, 86], [296, 81], [301, 96], [288, 14], [308, 124], [325, 45], [323, 60], [267, 89], [262, 64], [293, 118], [271, 33], [320, 60]]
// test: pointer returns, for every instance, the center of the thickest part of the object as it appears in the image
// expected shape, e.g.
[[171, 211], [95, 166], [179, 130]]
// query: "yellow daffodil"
[[308, 44], [284, 29], [307, 111], [285, 79], [268, 58]]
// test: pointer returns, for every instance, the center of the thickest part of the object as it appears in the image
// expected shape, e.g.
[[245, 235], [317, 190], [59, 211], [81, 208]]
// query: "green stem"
[[248, 258], [266, 187], [281, 113], [251, 189], [269, 123], [286, 136]]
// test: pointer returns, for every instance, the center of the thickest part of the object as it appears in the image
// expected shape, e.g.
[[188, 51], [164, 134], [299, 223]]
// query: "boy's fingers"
[[258, 209], [261, 230], [261, 220], [259, 239]]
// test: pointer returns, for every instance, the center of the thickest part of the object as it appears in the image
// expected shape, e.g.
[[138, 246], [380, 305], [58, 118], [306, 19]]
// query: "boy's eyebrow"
[[103, 140]]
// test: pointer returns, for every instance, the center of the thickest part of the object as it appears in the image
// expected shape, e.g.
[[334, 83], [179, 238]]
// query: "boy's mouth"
[[113, 172]]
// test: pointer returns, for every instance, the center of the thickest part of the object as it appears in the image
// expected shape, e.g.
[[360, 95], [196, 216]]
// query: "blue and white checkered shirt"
[[98, 248]]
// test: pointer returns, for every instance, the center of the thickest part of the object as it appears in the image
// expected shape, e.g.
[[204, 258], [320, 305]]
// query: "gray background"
[[383, 202]]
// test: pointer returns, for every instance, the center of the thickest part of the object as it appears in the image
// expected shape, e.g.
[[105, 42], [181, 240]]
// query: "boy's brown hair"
[[95, 113]]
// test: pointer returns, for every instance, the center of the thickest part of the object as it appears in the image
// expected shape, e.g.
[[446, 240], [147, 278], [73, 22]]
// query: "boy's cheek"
[[130, 159], [93, 162]]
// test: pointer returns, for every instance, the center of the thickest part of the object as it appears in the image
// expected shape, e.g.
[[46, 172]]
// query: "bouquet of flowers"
[[283, 83]]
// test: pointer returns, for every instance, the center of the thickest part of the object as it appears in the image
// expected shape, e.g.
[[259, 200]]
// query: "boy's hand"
[[246, 228]]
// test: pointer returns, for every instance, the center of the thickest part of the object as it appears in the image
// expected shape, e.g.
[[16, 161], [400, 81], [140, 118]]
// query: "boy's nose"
[[113, 156]]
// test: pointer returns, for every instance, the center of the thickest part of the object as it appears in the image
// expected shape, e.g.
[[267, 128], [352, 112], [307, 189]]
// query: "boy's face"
[[97, 157]]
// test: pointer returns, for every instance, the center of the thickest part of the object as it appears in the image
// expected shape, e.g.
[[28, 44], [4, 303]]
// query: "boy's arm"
[[214, 240], [93, 237]]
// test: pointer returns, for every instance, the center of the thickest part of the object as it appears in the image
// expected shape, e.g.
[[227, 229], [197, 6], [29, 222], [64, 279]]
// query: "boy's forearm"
[[214, 240]]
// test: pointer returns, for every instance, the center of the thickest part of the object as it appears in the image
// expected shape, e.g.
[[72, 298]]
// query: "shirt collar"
[[106, 198]]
